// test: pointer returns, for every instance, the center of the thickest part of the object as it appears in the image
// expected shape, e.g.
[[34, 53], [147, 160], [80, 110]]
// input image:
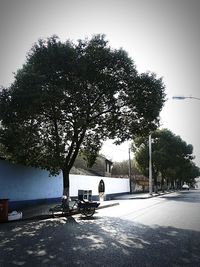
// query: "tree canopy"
[[171, 157], [69, 97]]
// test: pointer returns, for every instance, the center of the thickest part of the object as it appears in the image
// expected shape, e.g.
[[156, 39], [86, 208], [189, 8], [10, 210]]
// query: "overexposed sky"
[[162, 36]]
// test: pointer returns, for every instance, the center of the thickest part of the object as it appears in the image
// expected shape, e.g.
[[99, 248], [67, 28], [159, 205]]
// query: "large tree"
[[171, 157], [69, 97]]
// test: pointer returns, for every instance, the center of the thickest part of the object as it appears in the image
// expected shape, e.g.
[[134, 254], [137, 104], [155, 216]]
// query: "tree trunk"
[[65, 182], [155, 184], [162, 184], [69, 161], [167, 183]]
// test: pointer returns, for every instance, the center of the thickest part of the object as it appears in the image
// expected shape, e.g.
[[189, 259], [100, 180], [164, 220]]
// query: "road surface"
[[161, 231]]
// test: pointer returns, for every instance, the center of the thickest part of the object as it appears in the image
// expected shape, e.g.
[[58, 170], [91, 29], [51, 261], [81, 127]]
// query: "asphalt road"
[[161, 231]]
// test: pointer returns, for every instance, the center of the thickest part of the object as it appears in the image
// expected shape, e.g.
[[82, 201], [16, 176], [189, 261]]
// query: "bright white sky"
[[162, 36]]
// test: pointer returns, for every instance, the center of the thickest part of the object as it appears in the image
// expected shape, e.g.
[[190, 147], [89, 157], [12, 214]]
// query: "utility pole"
[[129, 157], [150, 166]]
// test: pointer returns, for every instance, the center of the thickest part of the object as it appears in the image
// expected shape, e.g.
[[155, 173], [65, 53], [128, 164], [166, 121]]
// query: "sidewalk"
[[42, 211]]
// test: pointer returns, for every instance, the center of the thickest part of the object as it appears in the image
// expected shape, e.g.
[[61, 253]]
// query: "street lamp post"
[[150, 166], [129, 160]]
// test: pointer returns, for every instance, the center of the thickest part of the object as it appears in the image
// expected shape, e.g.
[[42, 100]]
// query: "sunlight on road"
[[170, 210]]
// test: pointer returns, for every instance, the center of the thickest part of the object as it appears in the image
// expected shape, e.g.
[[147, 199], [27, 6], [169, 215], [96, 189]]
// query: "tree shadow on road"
[[101, 242]]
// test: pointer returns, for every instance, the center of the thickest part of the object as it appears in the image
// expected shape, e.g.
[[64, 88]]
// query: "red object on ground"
[[3, 210]]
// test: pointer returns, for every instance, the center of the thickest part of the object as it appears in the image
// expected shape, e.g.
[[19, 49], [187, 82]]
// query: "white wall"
[[112, 185]]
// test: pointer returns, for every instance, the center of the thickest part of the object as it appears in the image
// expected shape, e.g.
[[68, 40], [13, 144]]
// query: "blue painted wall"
[[20, 183]]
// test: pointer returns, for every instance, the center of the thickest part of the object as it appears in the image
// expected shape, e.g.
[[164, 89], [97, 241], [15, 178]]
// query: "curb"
[[145, 197], [108, 205]]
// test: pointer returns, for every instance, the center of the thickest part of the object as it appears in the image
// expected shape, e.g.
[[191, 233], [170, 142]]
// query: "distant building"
[[102, 167]]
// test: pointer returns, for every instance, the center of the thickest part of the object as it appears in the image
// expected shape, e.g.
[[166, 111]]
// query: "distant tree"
[[68, 97], [187, 173], [171, 156], [122, 168]]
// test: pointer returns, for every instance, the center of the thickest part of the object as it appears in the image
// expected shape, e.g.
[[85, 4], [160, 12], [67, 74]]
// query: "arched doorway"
[[101, 190]]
